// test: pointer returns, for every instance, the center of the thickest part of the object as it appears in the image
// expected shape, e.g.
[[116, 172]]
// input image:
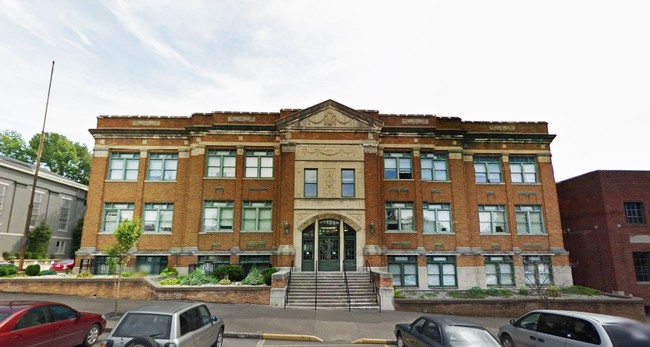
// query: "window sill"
[[123, 181], [256, 231], [219, 178], [156, 233], [494, 234], [160, 181], [440, 233], [215, 232], [401, 231]]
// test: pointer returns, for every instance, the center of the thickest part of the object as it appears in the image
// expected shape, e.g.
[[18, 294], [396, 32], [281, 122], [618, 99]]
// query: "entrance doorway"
[[329, 245]]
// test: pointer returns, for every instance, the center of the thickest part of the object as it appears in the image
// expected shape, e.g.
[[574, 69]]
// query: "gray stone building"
[[58, 201]]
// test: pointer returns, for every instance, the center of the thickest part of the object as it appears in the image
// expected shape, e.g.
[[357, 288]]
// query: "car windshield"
[[3, 316], [628, 334], [464, 336], [157, 326], [67, 261]]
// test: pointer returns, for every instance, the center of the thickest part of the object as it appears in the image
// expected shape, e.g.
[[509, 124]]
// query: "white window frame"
[[36, 208], [310, 188], [64, 213], [348, 183], [3, 196]]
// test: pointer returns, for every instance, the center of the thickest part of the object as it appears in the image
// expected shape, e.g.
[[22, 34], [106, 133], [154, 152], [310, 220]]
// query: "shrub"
[[85, 274], [472, 293], [580, 290], [254, 278], [196, 278], [234, 272], [47, 273], [553, 291], [127, 274], [268, 275], [397, 294], [225, 281], [524, 291], [500, 292], [32, 270], [169, 271], [7, 256], [170, 281], [8, 270]]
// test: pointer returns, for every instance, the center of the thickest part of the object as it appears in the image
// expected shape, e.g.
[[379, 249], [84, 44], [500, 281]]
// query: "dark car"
[[62, 265], [45, 323], [442, 331]]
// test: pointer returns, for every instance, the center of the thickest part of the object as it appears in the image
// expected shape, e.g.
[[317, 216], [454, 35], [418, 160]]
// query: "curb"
[[374, 341], [266, 336]]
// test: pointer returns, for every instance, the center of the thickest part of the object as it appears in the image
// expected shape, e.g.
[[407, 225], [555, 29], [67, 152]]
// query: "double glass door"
[[325, 251]]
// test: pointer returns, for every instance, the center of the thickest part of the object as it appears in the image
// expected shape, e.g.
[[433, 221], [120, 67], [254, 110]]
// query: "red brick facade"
[[331, 138]]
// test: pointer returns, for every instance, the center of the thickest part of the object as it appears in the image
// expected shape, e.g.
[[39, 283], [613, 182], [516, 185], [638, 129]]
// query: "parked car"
[[443, 331], [550, 328], [62, 265], [167, 323], [45, 323]]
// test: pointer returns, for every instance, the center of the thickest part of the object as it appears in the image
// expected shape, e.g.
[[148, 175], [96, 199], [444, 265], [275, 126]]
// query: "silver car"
[[551, 328], [167, 323]]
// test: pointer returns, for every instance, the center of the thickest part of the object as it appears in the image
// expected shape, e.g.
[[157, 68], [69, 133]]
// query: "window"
[[34, 317], [397, 165], [404, 270], [162, 166], [399, 216], [152, 265], [208, 263], [259, 164], [529, 219], [114, 213], [158, 218], [347, 183], [311, 183], [499, 271], [633, 212], [537, 270], [437, 218], [123, 166], [523, 169], [60, 247], [64, 213], [248, 262], [257, 216], [441, 271], [60, 313], [582, 330], [641, 266], [218, 215], [221, 163], [487, 169], [36, 208], [434, 166], [3, 195], [492, 219], [101, 265]]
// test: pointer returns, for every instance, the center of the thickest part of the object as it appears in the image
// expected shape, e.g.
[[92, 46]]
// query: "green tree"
[[63, 157], [126, 237], [39, 241], [13, 146], [76, 237]]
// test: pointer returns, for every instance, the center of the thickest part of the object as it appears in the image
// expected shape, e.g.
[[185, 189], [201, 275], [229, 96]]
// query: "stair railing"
[[347, 287], [316, 288], [286, 292], [375, 288]]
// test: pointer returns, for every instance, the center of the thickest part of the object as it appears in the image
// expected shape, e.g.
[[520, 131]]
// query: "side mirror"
[[215, 318], [512, 321]]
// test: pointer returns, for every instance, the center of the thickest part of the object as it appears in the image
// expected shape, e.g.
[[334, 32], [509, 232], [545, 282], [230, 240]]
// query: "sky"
[[582, 66]]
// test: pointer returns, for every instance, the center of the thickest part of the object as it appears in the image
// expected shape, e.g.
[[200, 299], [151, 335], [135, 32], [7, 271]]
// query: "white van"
[[557, 328]]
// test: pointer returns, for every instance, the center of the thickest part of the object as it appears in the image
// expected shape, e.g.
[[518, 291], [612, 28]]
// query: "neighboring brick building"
[[58, 201], [436, 201], [605, 220]]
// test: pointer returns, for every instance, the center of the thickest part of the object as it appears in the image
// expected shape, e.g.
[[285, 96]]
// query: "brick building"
[[605, 220], [436, 201]]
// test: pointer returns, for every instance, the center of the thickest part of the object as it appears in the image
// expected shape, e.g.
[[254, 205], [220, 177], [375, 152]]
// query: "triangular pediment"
[[327, 116]]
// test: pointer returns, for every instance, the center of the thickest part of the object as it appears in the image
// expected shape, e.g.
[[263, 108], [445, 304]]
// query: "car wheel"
[[400, 341], [506, 341], [219, 342], [142, 341], [92, 335]]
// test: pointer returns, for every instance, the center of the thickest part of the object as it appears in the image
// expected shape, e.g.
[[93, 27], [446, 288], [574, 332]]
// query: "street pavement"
[[267, 323]]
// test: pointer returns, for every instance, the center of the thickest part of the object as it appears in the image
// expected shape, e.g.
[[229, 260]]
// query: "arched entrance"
[[328, 244]]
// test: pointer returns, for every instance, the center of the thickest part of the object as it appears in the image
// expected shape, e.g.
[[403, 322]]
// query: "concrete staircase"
[[331, 291]]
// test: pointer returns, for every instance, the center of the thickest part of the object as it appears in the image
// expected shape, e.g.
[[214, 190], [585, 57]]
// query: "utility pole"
[[36, 168]]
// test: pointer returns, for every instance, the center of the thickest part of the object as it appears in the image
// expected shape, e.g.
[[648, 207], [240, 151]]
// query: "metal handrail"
[[316, 288], [286, 292], [375, 288], [347, 287]]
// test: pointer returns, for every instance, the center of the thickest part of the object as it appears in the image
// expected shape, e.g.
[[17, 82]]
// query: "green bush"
[[580, 290], [32, 270], [472, 293], [254, 278], [47, 273], [8, 270], [170, 281], [169, 271], [553, 291], [524, 291], [397, 294], [234, 272], [499, 292], [224, 281], [196, 278], [268, 275], [85, 274], [7, 255]]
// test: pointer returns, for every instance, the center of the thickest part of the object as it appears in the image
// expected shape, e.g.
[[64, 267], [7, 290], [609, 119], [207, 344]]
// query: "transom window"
[[399, 216], [404, 270], [114, 213], [162, 166], [434, 166], [530, 219], [347, 183], [397, 165], [218, 215], [259, 164], [492, 219], [257, 216], [499, 271], [523, 169], [64, 213], [123, 166], [437, 218], [158, 218], [633, 212], [487, 169], [311, 183], [221, 163], [641, 266], [441, 271], [537, 270]]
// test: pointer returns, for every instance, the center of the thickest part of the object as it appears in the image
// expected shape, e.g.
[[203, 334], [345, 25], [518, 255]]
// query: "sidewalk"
[[290, 324]]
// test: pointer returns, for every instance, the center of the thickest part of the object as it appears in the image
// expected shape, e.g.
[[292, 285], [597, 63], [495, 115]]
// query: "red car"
[[45, 323], [62, 265]]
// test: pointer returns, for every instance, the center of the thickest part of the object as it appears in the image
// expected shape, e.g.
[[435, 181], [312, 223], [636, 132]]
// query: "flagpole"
[[36, 168]]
